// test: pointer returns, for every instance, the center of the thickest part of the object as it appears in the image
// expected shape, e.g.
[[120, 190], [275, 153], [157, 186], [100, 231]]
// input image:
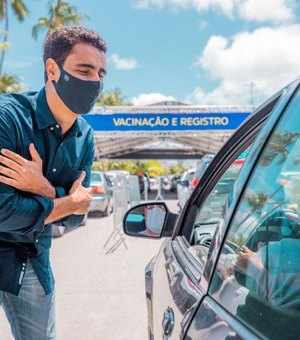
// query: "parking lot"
[[99, 296]]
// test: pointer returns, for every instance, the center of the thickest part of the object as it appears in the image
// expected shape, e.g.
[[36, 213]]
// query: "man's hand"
[[23, 174], [246, 257], [76, 203], [80, 195]]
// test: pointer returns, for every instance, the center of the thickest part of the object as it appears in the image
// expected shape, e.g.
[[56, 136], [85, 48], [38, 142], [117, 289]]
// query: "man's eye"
[[83, 72]]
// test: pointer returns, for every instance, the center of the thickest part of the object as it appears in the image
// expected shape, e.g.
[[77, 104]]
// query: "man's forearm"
[[47, 190], [63, 207]]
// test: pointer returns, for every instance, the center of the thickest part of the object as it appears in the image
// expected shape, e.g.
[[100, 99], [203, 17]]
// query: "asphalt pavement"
[[98, 295]]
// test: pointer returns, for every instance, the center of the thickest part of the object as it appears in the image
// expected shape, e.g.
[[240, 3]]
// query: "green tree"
[[60, 14], [112, 98], [20, 11], [151, 167], [100, 166], [176, 169], [10, 83]]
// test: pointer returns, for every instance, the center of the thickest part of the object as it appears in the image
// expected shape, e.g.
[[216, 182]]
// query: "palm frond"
[[19, 8]]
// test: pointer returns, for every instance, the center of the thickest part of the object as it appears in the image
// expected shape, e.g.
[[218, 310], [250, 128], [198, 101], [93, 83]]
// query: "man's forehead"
[[87, 55], [85, 52]]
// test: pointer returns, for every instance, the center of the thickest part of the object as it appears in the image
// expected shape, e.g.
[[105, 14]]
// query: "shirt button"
[[37, 241], [52, 128], [54, 170], [57, 126]]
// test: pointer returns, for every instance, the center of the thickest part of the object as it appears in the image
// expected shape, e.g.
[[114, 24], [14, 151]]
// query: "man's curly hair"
[[60, 42]]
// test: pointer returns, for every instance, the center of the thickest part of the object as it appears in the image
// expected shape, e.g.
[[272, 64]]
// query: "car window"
[[96, 176], [257, 278], [210, 211]]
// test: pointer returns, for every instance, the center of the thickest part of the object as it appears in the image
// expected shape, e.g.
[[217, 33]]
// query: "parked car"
[[183, 192], [153, 182], [102, 193], [233, 272], [201, 167], [170, 182]]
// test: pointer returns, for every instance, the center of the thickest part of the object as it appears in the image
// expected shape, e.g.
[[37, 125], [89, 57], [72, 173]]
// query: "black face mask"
[[78, 95]]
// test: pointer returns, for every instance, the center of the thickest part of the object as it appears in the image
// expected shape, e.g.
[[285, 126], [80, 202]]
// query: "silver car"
[[102, 191]]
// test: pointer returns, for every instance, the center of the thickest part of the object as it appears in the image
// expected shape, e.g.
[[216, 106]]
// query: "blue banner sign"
[[165, 121]]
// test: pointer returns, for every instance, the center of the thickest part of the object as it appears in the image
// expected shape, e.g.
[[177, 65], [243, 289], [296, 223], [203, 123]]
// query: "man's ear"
[[52, 69]]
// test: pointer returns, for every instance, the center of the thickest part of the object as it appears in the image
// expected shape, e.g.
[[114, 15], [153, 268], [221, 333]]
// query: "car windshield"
[[96, 177]]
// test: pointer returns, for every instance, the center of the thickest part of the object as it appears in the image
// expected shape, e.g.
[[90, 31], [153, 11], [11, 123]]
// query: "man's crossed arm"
[[27, 176]]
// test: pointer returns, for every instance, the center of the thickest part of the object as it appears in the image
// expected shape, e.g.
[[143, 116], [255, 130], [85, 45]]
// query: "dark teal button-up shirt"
[[24, 119]]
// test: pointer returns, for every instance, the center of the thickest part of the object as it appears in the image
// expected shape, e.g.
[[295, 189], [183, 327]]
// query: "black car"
[[233, 272]]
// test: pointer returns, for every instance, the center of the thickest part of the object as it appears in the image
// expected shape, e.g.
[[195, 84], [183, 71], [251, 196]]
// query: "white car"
[[183, 192]]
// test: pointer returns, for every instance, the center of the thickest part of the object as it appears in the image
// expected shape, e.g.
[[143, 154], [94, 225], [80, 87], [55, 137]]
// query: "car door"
[[253, 271], [178, 274]]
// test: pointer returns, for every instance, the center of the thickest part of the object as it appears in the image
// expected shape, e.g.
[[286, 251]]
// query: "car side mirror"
[[150, 220], [184, 183]]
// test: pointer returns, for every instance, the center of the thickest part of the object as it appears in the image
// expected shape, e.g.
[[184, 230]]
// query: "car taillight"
[[194, 182], [98, 190]]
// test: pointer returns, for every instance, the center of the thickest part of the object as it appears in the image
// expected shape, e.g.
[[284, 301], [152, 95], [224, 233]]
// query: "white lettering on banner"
[[152, 122], [164, 121], [196, 121]]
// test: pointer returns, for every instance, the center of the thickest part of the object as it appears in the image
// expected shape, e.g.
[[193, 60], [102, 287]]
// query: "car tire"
[[107, 210], [58, 231], [84, 221]]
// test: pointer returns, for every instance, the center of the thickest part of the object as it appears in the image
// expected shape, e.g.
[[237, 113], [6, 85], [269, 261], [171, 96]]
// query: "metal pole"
[[145, 189], [159, 190]]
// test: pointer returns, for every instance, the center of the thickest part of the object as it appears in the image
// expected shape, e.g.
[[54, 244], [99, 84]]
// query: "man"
[[154, 220], [46, 154]]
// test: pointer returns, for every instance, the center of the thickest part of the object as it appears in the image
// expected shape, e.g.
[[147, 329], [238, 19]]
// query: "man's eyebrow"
[[102, 70]]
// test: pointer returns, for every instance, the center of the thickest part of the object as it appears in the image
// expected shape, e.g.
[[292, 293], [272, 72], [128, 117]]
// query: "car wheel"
[[84, 221], [58, 231], [107, 210]]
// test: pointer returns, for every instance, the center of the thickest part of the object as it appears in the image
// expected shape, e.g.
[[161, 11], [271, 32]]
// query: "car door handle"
[[168, 322]]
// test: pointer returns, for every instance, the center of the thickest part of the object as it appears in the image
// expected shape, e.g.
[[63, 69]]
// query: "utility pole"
[[251, 85]]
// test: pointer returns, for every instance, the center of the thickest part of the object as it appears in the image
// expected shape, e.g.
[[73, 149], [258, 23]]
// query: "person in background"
[[154, 220]]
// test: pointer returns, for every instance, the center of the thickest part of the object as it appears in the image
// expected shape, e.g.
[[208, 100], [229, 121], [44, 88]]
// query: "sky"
[[201, 52]]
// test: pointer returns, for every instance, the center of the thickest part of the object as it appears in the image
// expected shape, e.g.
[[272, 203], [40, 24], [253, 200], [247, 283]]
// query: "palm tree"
[[20, 11], [60, 14], [10, 83], [279, 146], [112, 98]]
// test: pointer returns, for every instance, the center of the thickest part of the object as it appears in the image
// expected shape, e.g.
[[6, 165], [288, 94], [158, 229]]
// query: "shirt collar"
[[45, 117], [76, 128]]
